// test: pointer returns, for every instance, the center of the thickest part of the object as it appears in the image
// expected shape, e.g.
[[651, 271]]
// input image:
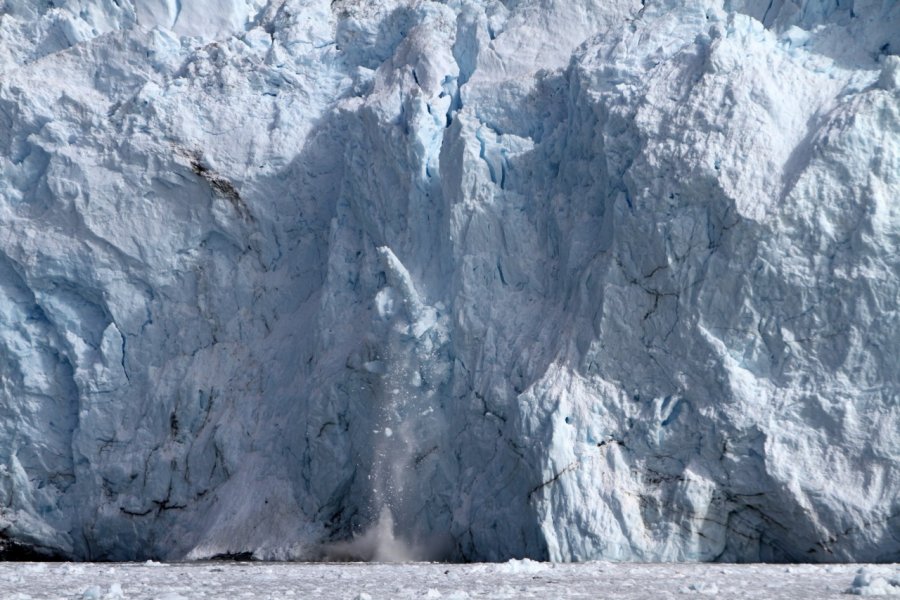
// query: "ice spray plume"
[[407, 430], [379, 543]]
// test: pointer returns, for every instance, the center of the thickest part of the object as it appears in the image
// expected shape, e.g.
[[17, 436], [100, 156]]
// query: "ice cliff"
[[564, 279]]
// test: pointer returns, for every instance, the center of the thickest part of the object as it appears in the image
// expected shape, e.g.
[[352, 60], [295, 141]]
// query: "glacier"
[[556, 279]]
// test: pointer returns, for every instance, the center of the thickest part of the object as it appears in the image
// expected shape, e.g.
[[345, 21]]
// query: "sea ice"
[[137, 581]]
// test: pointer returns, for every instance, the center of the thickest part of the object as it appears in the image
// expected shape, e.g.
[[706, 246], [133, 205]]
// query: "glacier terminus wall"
[[483, 279]]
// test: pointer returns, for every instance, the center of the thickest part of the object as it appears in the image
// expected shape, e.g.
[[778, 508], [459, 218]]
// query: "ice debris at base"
[[871, 582], [619, 277], [114, 592], [704, 588]]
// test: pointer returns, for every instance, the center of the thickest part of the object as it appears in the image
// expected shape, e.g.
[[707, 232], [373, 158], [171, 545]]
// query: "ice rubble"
[[620, 277], [872, 583], [515, 579]]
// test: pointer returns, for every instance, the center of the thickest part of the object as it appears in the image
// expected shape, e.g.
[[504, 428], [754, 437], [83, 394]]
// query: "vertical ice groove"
[[176, 12]]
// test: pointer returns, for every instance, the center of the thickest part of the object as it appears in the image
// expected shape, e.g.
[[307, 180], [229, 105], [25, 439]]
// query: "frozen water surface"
[[514, 579]]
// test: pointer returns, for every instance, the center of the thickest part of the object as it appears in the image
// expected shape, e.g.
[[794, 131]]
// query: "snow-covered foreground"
[[514, 579]]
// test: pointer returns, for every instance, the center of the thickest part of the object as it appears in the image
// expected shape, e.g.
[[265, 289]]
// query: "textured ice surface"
[[510, 580], [871, 582], [562, 279]]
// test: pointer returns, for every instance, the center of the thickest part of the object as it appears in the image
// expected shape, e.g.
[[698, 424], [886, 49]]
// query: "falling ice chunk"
[[388, 432], [385, 302]]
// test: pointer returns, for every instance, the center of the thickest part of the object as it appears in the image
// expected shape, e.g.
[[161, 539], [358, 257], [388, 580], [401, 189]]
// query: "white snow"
[[544, 279]]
